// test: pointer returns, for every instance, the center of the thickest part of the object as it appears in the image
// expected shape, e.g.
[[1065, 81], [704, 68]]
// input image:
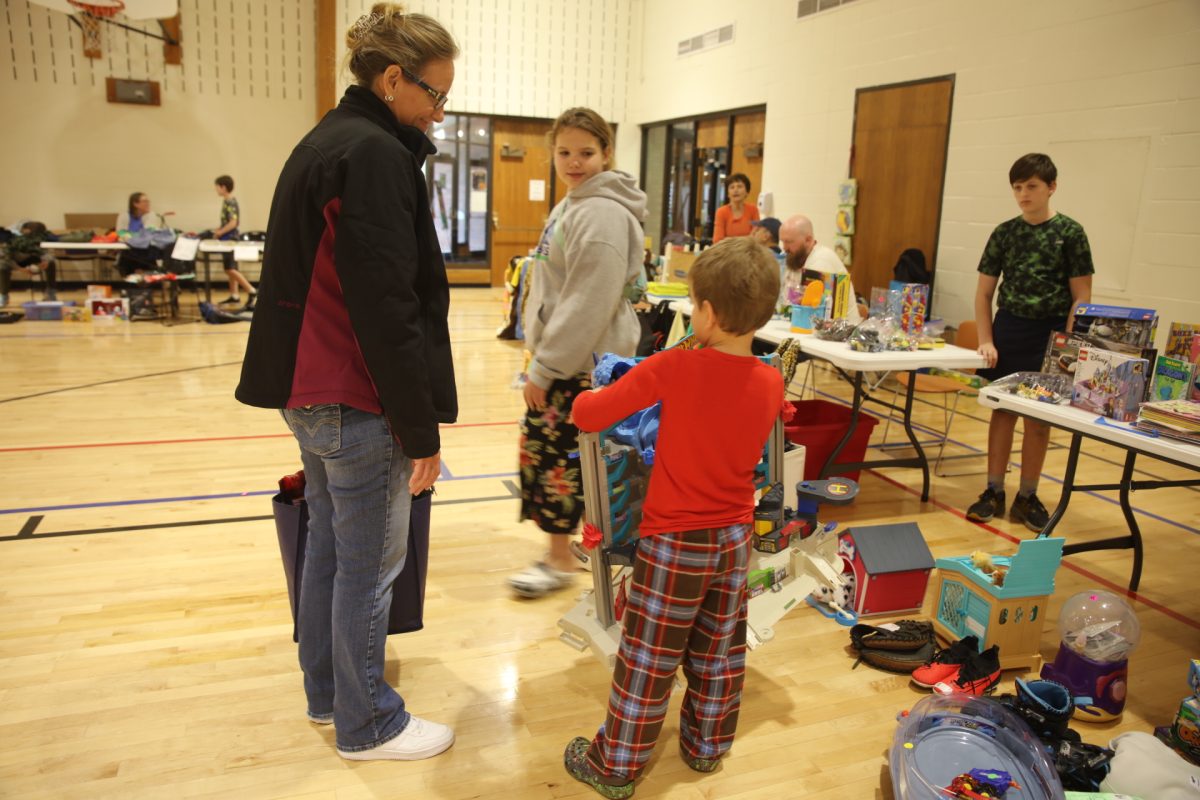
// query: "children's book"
[[1179, 340], [1195, 359], [1172, 379], [1119, 324], [1110, 384]]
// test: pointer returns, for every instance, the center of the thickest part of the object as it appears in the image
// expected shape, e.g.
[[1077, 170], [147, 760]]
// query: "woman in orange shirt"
[[734, 218]]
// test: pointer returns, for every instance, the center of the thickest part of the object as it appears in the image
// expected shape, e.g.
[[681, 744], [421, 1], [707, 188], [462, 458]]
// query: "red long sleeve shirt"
[[717, 412]]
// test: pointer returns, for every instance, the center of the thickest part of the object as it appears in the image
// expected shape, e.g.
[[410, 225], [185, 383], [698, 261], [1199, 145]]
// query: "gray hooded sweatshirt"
[[590, 252]]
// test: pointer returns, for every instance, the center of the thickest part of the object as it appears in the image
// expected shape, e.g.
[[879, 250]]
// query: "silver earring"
[[388, 97]]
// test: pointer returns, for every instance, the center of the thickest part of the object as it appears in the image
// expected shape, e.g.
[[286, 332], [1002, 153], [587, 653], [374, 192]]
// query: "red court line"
[[41, 448], [1175, 615]]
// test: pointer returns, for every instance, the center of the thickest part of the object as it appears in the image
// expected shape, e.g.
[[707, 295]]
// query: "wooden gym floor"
[[145, 639]]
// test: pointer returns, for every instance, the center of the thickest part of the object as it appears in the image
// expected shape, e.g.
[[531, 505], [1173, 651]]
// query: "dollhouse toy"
[[969, 601], [891, 566]]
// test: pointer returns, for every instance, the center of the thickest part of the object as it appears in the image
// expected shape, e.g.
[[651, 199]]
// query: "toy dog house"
[[891, 566], [969, 601]]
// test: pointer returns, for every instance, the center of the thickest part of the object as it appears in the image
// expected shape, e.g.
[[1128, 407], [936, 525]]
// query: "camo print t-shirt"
[[1035, 264]]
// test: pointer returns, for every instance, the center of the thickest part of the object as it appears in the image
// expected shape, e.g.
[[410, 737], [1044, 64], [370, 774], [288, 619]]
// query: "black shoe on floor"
[[231, 301], [1029, 510], [990, 504]]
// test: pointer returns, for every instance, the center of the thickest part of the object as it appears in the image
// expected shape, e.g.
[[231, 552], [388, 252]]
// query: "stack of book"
[[1177, 419]]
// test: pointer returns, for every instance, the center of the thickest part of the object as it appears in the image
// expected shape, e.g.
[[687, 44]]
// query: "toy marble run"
[[615, 478]]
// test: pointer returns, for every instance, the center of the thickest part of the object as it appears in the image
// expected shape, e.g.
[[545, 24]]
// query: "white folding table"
[[1087, 425]]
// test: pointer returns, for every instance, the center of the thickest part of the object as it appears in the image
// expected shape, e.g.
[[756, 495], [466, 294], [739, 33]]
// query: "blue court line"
[[192, 498]]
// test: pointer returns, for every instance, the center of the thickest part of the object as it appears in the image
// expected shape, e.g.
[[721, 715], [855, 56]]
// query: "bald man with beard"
[[803, 252]]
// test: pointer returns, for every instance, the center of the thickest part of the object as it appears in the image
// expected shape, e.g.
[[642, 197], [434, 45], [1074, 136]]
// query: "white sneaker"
[[539, 579], [421, 739]]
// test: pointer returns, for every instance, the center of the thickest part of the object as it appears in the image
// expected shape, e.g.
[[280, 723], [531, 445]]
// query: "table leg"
[[207, 279], [831, 462], [912, 437], [1135, 533], [1067, 487]]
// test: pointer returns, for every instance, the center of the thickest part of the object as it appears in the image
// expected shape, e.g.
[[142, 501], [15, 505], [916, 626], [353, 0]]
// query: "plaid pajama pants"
[[687, 604]]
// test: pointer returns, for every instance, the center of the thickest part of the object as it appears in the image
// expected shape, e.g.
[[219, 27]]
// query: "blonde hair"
[[389, 36], [588, 121], [740, 278]]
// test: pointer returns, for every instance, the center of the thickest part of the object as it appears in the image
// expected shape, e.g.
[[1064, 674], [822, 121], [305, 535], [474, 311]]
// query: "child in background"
[[1046, 263], [687, 602], [229, 232]]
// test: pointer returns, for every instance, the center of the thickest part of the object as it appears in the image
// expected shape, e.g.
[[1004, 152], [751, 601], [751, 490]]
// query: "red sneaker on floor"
[[977, 677], [946, 664]]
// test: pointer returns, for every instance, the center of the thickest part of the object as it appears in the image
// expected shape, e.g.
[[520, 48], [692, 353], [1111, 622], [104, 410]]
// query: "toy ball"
[[1099, 625]]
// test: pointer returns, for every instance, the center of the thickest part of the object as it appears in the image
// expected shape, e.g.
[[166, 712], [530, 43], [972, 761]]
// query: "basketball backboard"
[[134, 9]]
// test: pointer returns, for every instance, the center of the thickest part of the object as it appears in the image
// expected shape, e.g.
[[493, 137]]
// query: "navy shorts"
[[1020, 343]]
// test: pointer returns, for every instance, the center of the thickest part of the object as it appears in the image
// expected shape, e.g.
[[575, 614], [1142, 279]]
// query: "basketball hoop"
[[90, 14], [99, 8]]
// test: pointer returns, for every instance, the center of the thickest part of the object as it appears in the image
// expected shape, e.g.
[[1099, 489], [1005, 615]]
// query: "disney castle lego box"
[[1110, 384]]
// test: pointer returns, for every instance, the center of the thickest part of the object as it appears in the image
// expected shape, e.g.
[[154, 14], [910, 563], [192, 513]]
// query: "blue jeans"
[[356, 486]]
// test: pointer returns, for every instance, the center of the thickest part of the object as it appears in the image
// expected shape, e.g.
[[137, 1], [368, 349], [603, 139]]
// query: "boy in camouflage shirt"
[[1046, 265], [25, 252]]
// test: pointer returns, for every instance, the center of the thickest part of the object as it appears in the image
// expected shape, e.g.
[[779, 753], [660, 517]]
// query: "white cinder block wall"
[[1109, 88]]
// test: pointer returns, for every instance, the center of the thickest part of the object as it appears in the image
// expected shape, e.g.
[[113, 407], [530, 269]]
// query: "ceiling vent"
[[706, 41], [806, 8]]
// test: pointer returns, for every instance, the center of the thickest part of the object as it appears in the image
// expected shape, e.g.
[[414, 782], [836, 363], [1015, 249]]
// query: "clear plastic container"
[[945, 736]]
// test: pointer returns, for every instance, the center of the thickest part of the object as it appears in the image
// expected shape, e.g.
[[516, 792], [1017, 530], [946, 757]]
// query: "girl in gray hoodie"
[[589, 260]]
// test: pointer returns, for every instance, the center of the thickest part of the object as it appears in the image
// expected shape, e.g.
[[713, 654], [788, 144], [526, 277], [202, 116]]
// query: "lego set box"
[[1117, 324], [1062, 351], [1110, 384]]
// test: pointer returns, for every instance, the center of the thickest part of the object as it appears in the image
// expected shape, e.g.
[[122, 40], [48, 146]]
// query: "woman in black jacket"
[[350, 341]]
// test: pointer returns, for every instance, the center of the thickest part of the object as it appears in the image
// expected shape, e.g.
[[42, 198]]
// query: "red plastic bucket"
[[819, 425]]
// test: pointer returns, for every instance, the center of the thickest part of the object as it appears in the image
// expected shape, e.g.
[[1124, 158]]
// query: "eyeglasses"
[[439, 98]]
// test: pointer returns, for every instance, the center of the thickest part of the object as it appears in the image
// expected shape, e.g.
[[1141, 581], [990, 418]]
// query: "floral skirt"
[[551, 484]]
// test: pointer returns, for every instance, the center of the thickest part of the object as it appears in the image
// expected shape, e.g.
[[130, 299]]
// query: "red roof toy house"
[[891, 566]]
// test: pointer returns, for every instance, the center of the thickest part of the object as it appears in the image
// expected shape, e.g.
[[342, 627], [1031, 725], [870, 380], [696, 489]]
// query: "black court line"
[[26, 533], [116, 380]]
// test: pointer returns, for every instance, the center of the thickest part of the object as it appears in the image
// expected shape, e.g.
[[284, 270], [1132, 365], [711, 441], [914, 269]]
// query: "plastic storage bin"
[[947, 735], [45, 310], [819, 425]]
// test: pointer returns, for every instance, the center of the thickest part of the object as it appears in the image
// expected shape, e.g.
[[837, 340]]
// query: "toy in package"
[[1110, 384], [1117, 324], [909, 303], [1037, 386], [1062, 351]]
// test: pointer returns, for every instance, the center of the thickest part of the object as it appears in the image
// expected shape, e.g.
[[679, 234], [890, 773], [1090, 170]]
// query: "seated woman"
[[139, 219], [25, 252], [734, 218]]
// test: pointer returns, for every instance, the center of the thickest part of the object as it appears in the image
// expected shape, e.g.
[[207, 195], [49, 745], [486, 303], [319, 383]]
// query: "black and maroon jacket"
[[353, 300]]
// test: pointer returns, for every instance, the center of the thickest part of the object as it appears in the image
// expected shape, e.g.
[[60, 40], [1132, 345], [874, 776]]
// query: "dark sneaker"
[[1046, 706], [231, 301], [977, 677], [1029, 510], [577, 764], [700, 764], [946, 664], [990, 504]]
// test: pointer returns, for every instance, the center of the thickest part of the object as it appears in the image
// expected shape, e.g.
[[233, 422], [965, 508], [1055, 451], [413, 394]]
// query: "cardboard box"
[[1109, 384], [1185, 730], [99, 291], [1118, 324], [1062, 352], [679, 264], [109, 311]]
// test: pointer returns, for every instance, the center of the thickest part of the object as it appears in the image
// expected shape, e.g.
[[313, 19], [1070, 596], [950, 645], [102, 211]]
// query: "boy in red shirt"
[[687, 603]]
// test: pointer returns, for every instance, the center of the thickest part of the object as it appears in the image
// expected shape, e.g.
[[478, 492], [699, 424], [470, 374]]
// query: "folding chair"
[[968, 337]]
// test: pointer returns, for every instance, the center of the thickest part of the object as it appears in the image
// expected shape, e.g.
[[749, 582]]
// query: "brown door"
[[899, 161], [747, 155], [520, 160]]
